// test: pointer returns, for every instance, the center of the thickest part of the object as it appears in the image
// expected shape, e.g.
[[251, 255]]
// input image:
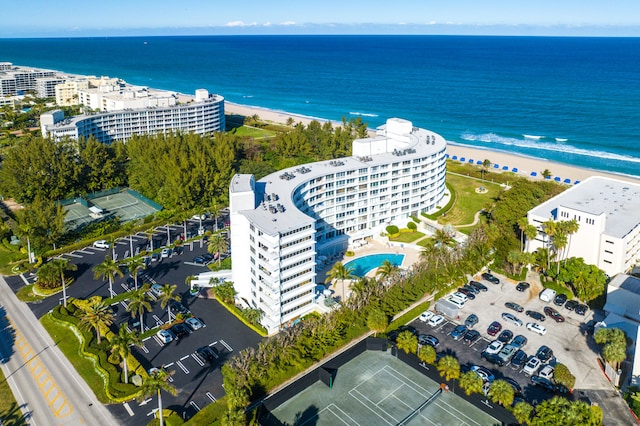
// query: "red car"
[[555, 315], [494, 328]]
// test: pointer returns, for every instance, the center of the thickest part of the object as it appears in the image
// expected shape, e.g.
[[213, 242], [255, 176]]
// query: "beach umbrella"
[[496, 166], [576, 182], [462, 159], [446, 156], [505, 167], [567, 180], [557, 178], [479, 162], [471, 160], [534, 174], [548, 177], [455, 157], [514, 170]]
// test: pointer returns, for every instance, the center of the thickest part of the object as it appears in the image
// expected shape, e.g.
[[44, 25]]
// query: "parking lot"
[[197, 379], [568, 339]]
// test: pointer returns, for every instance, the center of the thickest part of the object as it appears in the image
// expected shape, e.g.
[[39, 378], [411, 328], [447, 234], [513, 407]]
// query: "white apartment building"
[[15, 80], [282, 223], [202, 115], [46, 86], [115, 97], [608, 212]]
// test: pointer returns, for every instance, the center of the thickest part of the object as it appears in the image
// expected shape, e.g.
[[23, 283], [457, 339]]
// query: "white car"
[[536, 328], [103, 244], [156, 289], [164, 253], [165, 336], [459, 296], [455, 302], [484, 374], [199, 217], [426, 316], [547, 372], [194, 323], [532, 366], [494, 347], [512, 319], [436, 320]]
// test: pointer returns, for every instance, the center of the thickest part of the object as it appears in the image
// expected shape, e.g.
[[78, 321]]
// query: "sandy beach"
[[525, 165]]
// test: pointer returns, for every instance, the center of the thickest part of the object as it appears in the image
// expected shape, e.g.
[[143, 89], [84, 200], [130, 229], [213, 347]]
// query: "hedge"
[[408, 316], [446, 208]]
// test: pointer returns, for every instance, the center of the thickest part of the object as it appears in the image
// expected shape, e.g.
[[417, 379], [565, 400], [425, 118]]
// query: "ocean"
[[570, 100]]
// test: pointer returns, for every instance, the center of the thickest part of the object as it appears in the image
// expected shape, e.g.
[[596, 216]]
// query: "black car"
[[493, 359], [471, 321], [467, 293], [208, 353], [180, 330], [581, 309], [517, 390], [208, 257], [178, 250], [514, 306], [505, 336], [522, 286], [518, 360], [571, 305], [536, 315], [458, 332], [199, 260], [560, 299], [130, 282], [179, 308], [544, 353], [471, 336], [491, 278], [471, 289], [134, 323], [546, 384], [393, 334], [478, 286]]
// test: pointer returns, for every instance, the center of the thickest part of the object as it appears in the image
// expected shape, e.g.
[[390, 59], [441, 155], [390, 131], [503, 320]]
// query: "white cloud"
[[240, 24], [266, 24], [288, 23]]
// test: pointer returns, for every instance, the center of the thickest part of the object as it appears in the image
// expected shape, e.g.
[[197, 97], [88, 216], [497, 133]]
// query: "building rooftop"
[[626, 282], [276, 212], [597, 195]]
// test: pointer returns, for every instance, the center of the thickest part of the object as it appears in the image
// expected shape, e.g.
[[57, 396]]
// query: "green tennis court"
[[375, 388]]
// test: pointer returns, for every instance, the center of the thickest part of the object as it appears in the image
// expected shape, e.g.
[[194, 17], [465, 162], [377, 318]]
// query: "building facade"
[[16, 80], [281, 224], [608, 214], [202, 115]]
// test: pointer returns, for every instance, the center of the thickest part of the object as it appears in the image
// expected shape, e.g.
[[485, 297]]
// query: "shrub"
[[412, 226], [349, 253]]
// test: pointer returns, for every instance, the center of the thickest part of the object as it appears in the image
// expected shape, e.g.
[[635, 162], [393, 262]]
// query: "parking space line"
[[229, 348], [129, 410], [168, 365], [144, 349], [194, 405], [198, 360], [184, 357], [181, 365], [211, 397]]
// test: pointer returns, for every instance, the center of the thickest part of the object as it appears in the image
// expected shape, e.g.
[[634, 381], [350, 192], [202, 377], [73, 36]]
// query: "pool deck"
[[411, 256]]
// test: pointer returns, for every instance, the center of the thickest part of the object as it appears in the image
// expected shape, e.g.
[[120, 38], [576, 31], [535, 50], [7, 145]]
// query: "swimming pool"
[[362, 265]]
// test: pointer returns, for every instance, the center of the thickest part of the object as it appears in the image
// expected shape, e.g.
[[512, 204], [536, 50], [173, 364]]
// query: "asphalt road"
[[44, 383]]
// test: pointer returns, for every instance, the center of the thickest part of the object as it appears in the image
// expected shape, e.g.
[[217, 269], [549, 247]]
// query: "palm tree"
[[377, 321], [167, 295], [149, 234], [340, 273], [157, 382], [386, 270], [135, 265], [522, 412], [549, 228], [217, 244], [128, 228], [96, 314], [530, 233], [523, 223], [62, 265], [501, 393], [108, 268], [215, 212], [471, 382], [485, 167], [122, 345], [571, 227], [427, 354], [407, 342], [448, 367], [254, 316], [139, 303], [111, 240]]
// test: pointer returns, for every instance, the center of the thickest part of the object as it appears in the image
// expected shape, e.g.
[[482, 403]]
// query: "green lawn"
[[407, 237], [25, 294], [253, 132], [10, 413], [468, 201]]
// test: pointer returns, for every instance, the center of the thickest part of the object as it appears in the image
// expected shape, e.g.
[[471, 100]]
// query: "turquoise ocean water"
[[571, 100]]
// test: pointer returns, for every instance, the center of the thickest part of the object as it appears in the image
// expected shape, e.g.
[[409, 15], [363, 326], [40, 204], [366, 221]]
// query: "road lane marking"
[[128, 408]]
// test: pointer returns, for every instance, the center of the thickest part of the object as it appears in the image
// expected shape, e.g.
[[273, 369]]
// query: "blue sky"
[[46, 18]]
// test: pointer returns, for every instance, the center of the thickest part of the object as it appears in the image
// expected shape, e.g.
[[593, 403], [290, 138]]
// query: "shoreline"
[[524, 164]]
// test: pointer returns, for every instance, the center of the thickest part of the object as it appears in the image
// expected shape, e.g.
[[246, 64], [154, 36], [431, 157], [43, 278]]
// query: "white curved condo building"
[[282, 223], [203, 115]]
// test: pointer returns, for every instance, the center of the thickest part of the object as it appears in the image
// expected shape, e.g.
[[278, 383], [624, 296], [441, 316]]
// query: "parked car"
[[199, 260], [522, 286], [208, 257], [535, 315], [156, 289], [458, 332], [512, 319], [478, 285], [165, 336], [485, 374], [165, 253], [507, 352], [536, 328], [180, 330], [425, 316], [130, 282], [493, 359], [532, 365], [546, 384], [491, 278], [514, 306], [494, 328], [102, 244], [505, 336], [571, 305], [208, 353], [194, 323], [546, 372], [179, 308], [155, 257], [470, 295], [393, 334], [494, 347], [560, 299], [518, 360], [471, 321], [545, 353], [519, 341], [553, 314], [517, 389], [199, 217], [436, 320], [471, 336], [428, 339], [581, 309], [134, 323], [470, 288]]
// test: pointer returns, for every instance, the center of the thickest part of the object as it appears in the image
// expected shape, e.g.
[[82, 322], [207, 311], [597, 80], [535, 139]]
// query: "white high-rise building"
[[282, 223], [608, 214]]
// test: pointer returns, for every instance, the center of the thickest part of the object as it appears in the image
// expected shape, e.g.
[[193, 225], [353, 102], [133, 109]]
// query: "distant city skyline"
[[75, 18]]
